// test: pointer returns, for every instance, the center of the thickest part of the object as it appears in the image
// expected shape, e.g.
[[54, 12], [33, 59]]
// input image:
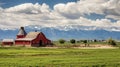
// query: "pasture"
[[58, 57]]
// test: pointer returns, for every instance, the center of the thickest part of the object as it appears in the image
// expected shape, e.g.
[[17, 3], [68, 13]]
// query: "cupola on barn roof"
[[22, 31]]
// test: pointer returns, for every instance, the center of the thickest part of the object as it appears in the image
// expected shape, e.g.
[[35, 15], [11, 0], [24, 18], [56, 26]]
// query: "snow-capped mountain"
[[67, 32], [75, 27]]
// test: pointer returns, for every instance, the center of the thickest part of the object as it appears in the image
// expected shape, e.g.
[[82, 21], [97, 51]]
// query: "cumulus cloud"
[[82, 7], [110, 8], [29, 8], [70, 15]]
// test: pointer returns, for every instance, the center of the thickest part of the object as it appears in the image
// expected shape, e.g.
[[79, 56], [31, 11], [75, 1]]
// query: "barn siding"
[[22, 43], [20, 36]]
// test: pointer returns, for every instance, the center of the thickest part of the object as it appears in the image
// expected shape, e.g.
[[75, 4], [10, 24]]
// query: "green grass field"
[[58, 57]]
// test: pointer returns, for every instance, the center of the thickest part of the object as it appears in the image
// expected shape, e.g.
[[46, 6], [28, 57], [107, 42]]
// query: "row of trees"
[[73, 41], [110, 41], [62, 41]]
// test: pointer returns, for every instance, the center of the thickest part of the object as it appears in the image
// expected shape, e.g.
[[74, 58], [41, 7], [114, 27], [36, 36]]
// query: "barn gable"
[[41, 40]]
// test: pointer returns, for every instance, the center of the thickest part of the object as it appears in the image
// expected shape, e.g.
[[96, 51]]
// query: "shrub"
[[72, 41], [85, 41], [61, 41], [78, 41], [111, 42]]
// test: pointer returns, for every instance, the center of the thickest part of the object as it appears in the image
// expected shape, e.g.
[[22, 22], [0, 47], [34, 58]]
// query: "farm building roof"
[[25, 39], [30, 36], [8, 40]]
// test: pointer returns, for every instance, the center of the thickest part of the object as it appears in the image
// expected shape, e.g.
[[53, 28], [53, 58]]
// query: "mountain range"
[[65, 32]]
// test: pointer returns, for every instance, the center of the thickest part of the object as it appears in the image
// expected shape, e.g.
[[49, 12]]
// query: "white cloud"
[[109, 8], [112, 9], [75, 10], [70, 15], [29, 8]]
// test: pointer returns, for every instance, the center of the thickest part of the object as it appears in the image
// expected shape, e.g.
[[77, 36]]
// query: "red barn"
[[32, 39]]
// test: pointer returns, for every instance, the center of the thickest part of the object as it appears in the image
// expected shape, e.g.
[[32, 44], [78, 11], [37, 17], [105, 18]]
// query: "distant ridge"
[[56, 33]]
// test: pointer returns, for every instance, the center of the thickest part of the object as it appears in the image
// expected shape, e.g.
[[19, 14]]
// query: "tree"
[[84, 41], [72, 41], [111, 42], [95, 40], [62, 41]]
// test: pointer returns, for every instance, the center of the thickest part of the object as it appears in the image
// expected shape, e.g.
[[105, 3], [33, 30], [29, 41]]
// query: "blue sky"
[[51, 3], [65, 14]]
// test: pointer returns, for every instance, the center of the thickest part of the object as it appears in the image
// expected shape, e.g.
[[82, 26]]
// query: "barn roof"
[[30, 36], [8, 40], [25, 39], [22, 31]]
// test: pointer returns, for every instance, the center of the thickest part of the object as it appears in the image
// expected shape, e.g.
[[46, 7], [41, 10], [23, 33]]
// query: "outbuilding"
[[8, 41]]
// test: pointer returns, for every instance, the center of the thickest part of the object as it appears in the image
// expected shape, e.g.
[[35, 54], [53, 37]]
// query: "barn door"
[[40, 43]]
